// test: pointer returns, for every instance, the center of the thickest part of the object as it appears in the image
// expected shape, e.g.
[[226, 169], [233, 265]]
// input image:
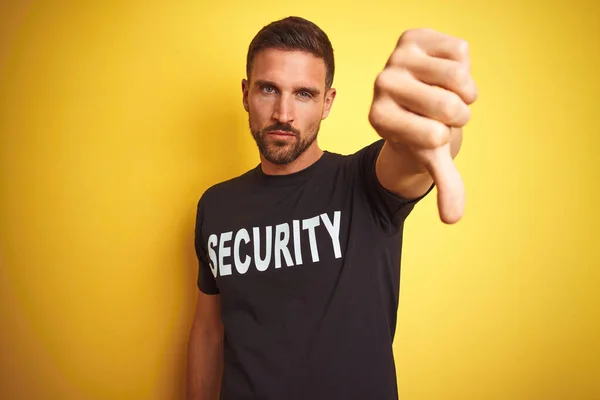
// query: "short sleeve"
[[206, 280], [391, 209]]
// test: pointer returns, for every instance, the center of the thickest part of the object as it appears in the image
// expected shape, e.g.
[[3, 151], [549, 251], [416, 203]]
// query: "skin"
[[420, 106], [286, 94]]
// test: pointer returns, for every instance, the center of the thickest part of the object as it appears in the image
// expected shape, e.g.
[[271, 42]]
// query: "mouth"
[[281, 134]]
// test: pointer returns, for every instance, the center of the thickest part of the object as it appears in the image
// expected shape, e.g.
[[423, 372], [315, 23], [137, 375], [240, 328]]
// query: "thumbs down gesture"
[[420, 105]]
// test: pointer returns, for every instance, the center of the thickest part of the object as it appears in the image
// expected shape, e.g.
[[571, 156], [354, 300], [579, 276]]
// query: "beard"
[[281, 152]]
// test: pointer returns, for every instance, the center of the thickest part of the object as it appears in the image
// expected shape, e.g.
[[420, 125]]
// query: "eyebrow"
[[312, 90]]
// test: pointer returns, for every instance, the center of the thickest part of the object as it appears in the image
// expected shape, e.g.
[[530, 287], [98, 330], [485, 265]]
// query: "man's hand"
[[420, 105]]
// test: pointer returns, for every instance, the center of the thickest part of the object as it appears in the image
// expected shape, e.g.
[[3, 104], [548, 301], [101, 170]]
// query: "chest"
[[280, 239]]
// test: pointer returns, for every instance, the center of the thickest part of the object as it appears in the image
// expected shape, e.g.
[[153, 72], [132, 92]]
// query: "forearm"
[[205, 366], [404, 173]]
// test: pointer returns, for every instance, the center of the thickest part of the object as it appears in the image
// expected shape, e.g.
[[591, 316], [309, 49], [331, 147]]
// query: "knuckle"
[[458, 76], [436, 136], [381, 118], [472, 94], [389, 79], [448, 107], [411, 35], [377, 114], [383, 80], [411, 52], [402, 57], [462, 117], [459, 79], [374, 116], [397, 58], [406, 37]]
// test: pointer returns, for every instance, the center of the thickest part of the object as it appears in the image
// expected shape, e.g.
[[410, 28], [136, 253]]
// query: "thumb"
[[450, 187]]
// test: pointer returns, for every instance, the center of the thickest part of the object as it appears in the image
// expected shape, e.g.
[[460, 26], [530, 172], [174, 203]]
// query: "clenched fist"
[[420, 105]]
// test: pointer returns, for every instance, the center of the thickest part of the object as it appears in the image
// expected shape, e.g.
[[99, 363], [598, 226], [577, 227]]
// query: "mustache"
[[281, 127]]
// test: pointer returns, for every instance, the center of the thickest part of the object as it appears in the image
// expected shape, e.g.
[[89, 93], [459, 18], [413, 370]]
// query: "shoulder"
[[361, 161], [234, 186], [369, 150], [365, 152]]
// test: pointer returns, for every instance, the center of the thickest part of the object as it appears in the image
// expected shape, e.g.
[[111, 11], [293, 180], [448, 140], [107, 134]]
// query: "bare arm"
[[205, 350], [400, 172], [420, 107]]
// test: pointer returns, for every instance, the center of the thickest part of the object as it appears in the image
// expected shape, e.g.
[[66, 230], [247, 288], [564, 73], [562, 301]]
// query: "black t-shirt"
[[308, 269]]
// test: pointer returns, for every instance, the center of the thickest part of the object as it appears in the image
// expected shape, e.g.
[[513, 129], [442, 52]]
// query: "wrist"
[[410, 162]]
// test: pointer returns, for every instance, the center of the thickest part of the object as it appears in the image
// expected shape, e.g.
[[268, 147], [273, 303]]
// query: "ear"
[[329, 97], [245, 88]]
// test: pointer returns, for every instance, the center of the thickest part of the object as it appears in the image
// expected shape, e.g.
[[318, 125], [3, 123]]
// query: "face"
[[286, 99]]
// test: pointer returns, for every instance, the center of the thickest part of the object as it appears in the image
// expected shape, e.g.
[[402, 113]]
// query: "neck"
[[305, 160]]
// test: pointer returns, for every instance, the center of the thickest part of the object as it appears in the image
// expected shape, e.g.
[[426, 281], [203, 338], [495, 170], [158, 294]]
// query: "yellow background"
[[116, 116]]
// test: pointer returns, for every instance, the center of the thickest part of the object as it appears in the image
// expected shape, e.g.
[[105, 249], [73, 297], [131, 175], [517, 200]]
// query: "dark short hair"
[[293, 33]]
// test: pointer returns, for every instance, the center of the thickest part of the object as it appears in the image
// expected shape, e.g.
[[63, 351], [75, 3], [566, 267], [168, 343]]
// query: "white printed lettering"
[[297, 248], [334, 231], [241, 267], [282, 237], [262, 263], [271, 246], [224, 251], [311, 224], [212, 241]]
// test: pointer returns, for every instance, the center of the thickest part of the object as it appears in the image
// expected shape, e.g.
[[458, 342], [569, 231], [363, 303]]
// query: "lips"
[[281, 133]]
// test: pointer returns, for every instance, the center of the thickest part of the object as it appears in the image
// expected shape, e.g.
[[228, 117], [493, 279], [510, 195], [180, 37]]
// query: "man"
[[299, 257]]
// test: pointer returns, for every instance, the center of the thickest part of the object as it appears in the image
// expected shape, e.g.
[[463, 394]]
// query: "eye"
[[305, 94], [268, 89]]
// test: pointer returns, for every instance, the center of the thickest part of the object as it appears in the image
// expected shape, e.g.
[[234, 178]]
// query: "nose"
[[284, 110]]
